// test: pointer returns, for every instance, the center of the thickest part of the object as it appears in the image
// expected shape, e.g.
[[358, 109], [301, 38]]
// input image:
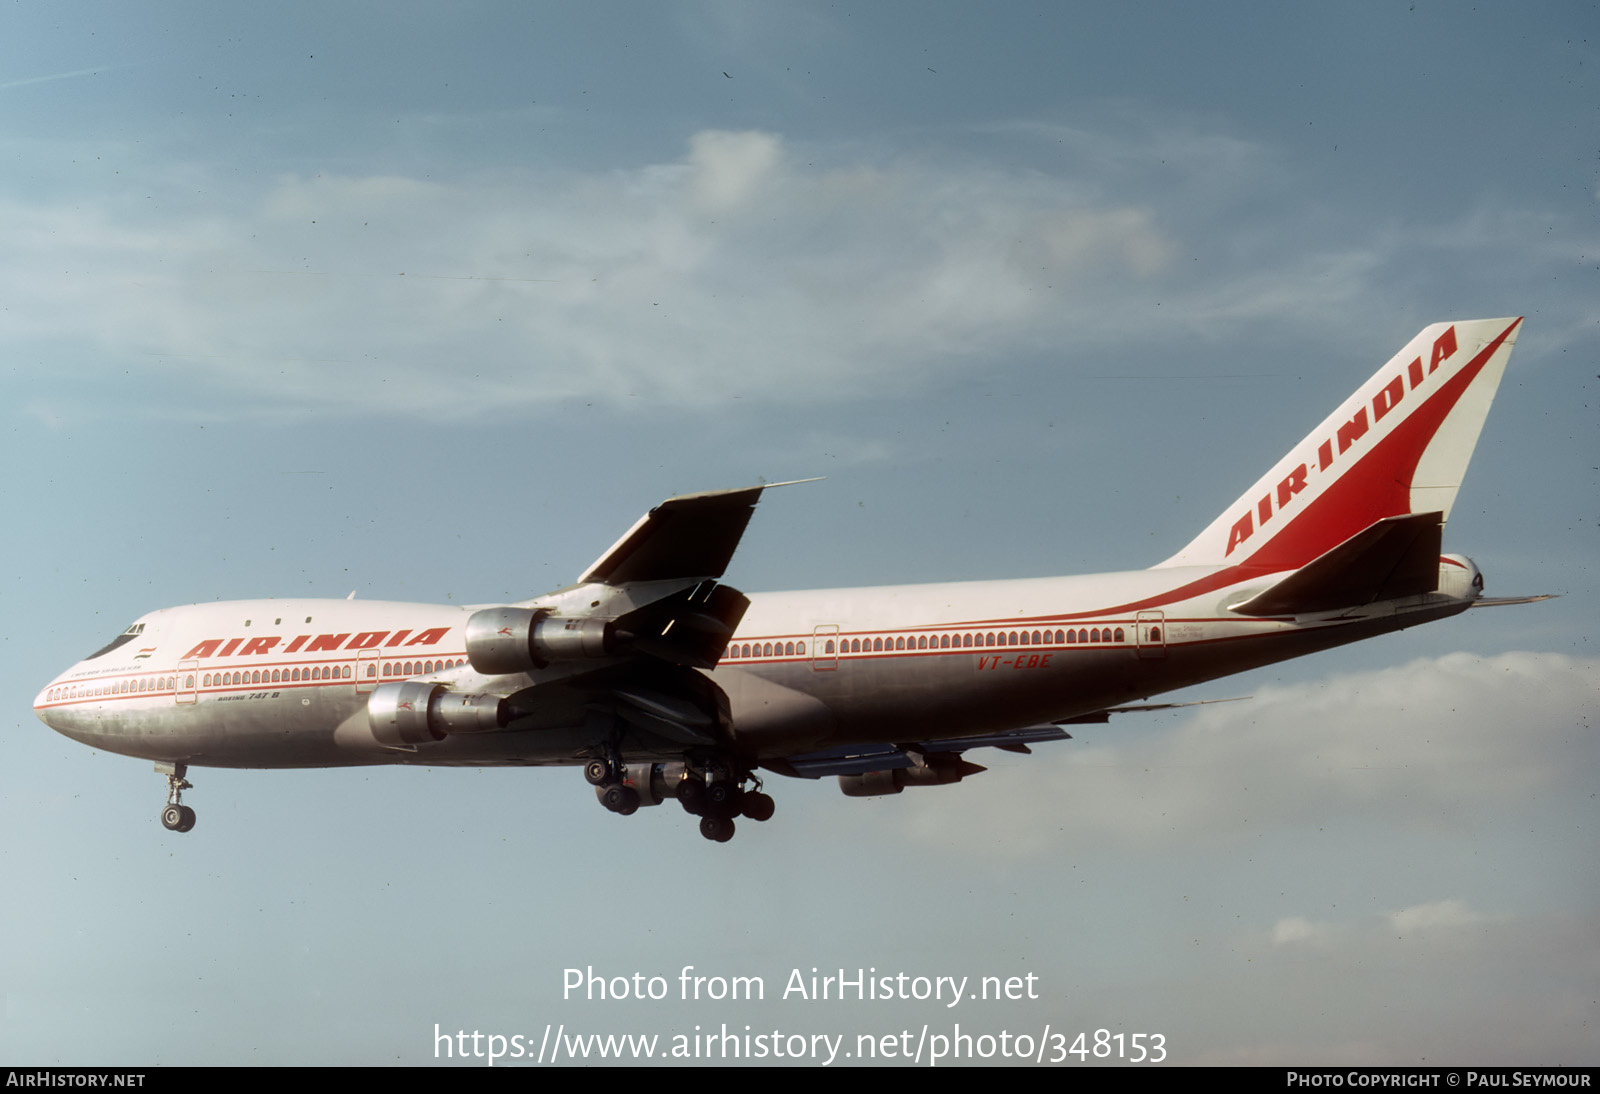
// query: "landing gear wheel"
[[718, 829], [723, 798], [692, 796], [620, 799], [597, 772], [188, 819], [172, 817], [758, 806]]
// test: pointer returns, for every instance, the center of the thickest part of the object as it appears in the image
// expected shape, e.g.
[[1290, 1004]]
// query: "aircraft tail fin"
[[1399, 446]]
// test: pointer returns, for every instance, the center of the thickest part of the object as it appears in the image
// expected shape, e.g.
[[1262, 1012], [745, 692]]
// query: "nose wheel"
[[176, 817]]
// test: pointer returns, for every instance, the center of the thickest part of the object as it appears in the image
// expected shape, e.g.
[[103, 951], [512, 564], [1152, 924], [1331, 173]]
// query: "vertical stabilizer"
[[1398, 446]]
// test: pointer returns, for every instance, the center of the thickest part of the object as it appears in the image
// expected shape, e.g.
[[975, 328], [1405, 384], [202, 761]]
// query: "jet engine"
[[937, 769], [506, 640], [414, 712]]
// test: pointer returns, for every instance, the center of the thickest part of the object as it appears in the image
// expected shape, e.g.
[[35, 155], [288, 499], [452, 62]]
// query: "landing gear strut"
[[176, 817]]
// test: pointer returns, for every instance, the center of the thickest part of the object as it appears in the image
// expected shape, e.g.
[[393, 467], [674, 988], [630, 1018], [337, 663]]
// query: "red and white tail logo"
[[1399, 445]]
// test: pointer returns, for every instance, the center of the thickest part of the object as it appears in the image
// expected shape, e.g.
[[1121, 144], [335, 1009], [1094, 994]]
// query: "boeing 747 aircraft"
[[662, 682]]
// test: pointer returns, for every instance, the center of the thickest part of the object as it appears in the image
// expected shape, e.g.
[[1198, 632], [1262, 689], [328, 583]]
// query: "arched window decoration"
[[788, 649], [1119, 634], [800, 648], [900, 642], [1083, 635], [1155, 634], [828, 647], [989, 639], [1094, 635], [1072, 638]]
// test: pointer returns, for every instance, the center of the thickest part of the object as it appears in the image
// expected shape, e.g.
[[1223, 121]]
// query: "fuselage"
[[285, 683]]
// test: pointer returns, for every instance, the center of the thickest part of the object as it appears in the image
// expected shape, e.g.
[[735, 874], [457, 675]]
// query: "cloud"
[[741, 270], [747, 268], [1423, 747], [1440, 913]]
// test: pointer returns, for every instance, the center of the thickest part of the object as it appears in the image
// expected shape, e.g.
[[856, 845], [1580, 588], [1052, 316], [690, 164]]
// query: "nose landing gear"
[[176, 817]]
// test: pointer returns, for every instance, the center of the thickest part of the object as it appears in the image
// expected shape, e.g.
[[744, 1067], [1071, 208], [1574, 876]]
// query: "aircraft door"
[[367, 670], [825, 647], [1152, 631], [183, 688]]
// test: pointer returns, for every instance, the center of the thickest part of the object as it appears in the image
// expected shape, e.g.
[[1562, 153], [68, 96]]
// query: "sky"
[[430, 302]]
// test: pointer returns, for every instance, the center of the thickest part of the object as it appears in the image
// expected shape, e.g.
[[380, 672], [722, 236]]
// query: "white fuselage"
[[285, 683]]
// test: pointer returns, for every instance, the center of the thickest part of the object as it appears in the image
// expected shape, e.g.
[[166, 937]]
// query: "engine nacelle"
[[939, 769], [414, 712], [507, 640]]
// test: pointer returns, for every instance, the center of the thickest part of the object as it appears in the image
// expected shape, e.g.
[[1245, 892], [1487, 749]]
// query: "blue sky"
[[431, 302]]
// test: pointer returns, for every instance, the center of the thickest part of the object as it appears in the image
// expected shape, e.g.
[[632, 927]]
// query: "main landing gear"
[[176, 817], [715, 792]]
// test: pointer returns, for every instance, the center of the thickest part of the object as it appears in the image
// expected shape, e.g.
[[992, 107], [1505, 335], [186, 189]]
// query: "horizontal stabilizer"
[[1507, 601], [1395, 557]]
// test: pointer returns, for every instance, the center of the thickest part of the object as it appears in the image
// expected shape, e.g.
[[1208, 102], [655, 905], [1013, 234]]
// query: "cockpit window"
[[126, 636]]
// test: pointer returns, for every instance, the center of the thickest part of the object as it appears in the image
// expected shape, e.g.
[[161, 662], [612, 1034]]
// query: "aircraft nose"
[[41, 706]]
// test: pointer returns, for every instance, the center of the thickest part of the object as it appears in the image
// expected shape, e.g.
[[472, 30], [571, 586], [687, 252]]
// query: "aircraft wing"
[[692, 535], [688, 536], [860, 759]]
